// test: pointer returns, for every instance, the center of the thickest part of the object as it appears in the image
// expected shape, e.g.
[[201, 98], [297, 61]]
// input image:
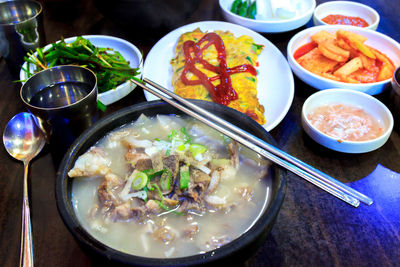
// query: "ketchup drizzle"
[[223, 93]]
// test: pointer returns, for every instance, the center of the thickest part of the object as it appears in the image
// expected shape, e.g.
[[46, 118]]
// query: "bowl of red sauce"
[[346, 120], [346, 13], [369, 71]]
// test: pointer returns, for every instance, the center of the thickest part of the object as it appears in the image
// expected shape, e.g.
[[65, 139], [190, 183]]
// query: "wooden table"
[[312, 228]]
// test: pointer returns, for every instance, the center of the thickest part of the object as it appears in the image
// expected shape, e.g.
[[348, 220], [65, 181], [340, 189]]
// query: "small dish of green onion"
[[114, 61]]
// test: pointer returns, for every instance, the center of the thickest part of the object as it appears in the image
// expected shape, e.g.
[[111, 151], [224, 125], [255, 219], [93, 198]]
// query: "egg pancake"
[[239, 51]]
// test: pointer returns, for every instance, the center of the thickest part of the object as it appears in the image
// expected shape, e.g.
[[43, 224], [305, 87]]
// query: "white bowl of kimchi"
[[327, 67], [346, 120]]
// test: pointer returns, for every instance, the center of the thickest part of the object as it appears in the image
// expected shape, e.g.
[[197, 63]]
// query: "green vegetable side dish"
[[245, 8], [109, 65]]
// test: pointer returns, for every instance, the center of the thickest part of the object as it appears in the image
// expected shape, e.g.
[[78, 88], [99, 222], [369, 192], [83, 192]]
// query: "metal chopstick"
[[296, 162], [307, 176], [242, 139]]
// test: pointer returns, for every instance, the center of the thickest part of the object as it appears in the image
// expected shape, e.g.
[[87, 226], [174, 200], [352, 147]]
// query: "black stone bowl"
[[233, 253]]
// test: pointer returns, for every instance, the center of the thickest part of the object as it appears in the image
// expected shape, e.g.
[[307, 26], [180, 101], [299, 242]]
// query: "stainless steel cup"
[[394, 104], [64, 98], [21, 30]]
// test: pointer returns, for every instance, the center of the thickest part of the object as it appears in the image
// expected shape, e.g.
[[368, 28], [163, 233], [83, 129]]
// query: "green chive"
[[251, 79], [256, 47], [101, 106], [249, 59], [184, 177]]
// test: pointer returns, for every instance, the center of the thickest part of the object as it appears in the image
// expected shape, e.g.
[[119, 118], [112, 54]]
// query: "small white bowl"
[[273, 24], [368, 103], [377, 40], [130, 52], [346, 8]]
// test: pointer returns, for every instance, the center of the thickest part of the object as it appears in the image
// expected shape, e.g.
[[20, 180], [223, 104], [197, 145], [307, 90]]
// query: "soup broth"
[[121, 196]]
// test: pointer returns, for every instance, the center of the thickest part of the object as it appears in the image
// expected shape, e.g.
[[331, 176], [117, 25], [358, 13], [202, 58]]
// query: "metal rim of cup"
[[396, 81], [26, 1], [61, 107]]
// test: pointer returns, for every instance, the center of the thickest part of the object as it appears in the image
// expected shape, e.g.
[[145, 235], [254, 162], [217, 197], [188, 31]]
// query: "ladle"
[[23, 140]]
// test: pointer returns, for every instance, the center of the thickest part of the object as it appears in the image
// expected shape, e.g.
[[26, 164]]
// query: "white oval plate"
[[130, 52], [275, 85]]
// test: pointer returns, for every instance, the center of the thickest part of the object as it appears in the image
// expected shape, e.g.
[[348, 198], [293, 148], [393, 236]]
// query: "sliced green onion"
[[53, 63], [151, 173], [182, 135], [181, 147], [145, 190], [186, 136], [197, 149], [152, 186], [166, 208], [184, 177], [159, 192], [165, 180], [172, 135], [101, 106], [178, 69], [139, 181], [162, 205], [251, 79], [249, 59], [256, 47], [40, 53], [155, 174], [148, 171], [28, 67]]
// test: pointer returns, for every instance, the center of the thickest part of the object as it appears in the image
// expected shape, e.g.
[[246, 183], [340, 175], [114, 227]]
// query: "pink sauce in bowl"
[[345, 122]]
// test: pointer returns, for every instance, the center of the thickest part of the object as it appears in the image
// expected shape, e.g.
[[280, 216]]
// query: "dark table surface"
[[312, 228]]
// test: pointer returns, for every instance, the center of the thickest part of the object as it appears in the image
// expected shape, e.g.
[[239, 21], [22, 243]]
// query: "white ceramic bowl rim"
[[336, 27], [387, 131], [295, 18], [348, 3]]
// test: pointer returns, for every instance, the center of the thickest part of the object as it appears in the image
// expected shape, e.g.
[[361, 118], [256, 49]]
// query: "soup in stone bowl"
[[149, 185]]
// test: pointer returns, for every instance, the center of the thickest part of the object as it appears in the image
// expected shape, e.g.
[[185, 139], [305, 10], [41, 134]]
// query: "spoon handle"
[[26, 256]]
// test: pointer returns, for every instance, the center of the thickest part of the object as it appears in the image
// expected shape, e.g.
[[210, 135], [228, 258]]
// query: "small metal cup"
[[395, 98], [21, 30], [64, 98]]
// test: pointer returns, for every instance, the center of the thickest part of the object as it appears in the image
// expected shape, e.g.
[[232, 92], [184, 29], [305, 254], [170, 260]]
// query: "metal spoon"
[[23, 140]]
